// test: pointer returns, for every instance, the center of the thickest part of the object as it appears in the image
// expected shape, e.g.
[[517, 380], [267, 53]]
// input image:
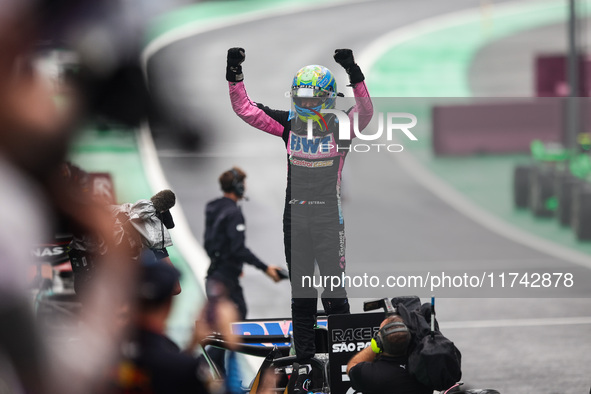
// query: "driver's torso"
[[315, 165]]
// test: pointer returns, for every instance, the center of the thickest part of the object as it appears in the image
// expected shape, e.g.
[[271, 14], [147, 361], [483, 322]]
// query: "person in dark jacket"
[[382, 367], [225, 242]]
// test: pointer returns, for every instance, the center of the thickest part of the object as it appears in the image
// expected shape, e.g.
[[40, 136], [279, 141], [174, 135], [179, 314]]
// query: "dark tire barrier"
[[581, 211], [521, 176], [541, 189], [564, 186]]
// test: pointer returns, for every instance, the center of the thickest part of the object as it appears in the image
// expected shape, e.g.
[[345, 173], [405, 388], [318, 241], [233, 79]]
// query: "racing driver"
[[313, 223]]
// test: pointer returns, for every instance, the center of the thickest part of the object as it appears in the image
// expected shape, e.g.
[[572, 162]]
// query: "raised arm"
[[363, 105], [246, 109]]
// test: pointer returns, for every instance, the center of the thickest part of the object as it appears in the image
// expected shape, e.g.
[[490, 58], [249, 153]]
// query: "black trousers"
[[313, 234], [234, 292]]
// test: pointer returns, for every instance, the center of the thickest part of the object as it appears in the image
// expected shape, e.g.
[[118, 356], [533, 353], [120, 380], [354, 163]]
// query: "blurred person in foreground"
[[35, 133], [225, 234], [382, 366], [26, 112], [152, 362], [313, 222]]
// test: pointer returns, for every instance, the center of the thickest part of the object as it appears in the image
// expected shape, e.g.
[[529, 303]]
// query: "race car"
[[338, 338], [556, 183]]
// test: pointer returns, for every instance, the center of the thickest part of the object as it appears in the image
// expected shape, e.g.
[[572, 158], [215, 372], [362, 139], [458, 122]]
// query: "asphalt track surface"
[[517, 345]]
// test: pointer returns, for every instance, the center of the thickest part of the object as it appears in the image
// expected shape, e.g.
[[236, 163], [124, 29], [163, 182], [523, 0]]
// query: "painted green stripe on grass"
[[436, 64], [115, 152]]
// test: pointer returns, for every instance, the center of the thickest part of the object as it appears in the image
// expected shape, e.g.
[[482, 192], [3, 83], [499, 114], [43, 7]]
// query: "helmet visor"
[[309, 91], [309, 97]]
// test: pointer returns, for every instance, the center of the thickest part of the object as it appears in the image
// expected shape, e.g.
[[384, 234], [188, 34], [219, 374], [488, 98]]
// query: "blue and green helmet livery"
[[313, 82]]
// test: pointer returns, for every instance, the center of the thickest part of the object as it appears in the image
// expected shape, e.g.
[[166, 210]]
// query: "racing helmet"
[[317, 83]]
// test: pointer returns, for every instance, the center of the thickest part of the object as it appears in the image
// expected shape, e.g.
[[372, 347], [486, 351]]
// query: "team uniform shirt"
[[385, 375], [225, 239], [153, 364]]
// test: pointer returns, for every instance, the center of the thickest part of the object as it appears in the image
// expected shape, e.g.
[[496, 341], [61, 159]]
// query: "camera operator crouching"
[[382, 367]]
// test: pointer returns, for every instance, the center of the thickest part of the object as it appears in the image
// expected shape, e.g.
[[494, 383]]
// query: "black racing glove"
[[233, 68], [345, 58]]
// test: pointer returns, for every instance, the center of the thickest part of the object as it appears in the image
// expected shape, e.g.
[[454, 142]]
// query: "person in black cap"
[[151, 362], [382, 367]]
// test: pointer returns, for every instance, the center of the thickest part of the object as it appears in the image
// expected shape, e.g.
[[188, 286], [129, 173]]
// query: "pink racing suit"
[[313, 223]]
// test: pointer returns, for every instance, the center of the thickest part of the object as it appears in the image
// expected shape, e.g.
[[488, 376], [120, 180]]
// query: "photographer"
[[382, 367]]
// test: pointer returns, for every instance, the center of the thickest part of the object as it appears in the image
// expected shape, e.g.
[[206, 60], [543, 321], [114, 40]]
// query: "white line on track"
[[554, 321], [463, 263], [486, 219], [184, 240]]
